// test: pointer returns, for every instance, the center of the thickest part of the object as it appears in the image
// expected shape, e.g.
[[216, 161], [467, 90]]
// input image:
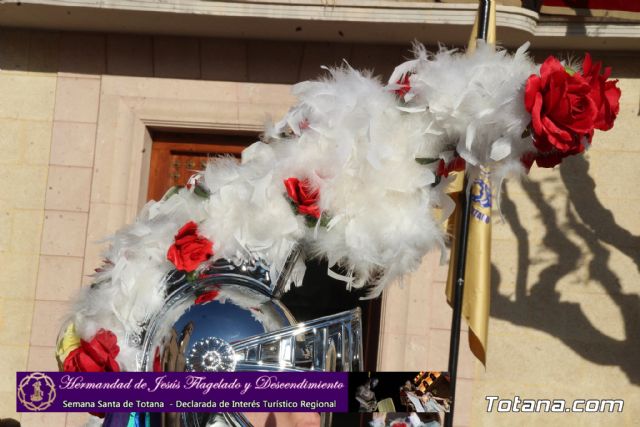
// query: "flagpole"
[[461, 250]]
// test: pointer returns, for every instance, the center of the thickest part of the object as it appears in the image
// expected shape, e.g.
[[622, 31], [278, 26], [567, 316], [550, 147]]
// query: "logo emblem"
[[481, 191], [36, 391]]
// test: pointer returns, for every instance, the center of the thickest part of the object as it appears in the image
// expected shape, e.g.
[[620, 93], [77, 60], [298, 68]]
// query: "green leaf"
[[324, 220], [426, 160], [200, 191], [192, 276], [310, 221]]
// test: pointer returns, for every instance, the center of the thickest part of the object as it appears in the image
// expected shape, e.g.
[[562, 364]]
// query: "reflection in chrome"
[[211, 355], [232, 319], [330, 343]]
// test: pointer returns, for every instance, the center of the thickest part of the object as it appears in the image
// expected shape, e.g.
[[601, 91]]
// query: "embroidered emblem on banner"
[[37, 391], [481, 197]]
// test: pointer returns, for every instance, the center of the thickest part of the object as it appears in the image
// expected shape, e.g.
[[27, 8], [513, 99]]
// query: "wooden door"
[[177, 156]]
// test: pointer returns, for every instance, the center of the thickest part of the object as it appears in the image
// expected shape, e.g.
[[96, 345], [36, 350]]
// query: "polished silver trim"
[[330, 343]]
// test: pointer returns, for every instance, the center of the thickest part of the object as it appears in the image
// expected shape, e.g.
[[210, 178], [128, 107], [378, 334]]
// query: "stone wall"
[[28, 88]]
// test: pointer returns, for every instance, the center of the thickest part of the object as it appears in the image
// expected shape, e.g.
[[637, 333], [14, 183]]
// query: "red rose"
[[207, 296], [97, 355], [604, 93], [562, 109], [456, 164], [405, 86], [303, 196], [189, 249]]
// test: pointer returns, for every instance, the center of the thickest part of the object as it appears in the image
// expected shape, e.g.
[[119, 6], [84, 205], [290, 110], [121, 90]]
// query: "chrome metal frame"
[[330, 343]]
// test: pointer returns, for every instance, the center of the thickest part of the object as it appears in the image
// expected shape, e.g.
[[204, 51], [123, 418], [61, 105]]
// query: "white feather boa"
[[474, 104], [356, 142]]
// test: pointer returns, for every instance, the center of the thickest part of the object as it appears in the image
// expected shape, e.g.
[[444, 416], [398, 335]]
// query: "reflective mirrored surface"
[[227, 322]]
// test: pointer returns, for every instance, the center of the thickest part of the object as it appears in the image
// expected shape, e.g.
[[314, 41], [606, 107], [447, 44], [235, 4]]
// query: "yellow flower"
[[68, 342]]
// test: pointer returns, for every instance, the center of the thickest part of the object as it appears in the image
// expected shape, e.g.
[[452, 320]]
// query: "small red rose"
[[303, 196], [404, 86], [97, 355], [563, 113], [190, 249], [207, 296], [457, 164]]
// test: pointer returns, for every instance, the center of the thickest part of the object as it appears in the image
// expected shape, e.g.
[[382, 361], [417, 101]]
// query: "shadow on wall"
[[540, 307]]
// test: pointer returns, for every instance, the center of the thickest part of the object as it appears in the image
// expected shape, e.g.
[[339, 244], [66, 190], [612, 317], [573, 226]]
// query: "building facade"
[[88, 90]]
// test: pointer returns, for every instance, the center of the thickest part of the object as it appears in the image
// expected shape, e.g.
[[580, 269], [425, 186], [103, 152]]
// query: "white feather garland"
[[356, 142]]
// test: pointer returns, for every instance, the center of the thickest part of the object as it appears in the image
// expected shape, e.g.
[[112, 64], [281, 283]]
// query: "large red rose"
[[563, 113], [190, 249], [604, 93], [97, 355], [303, 196]]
